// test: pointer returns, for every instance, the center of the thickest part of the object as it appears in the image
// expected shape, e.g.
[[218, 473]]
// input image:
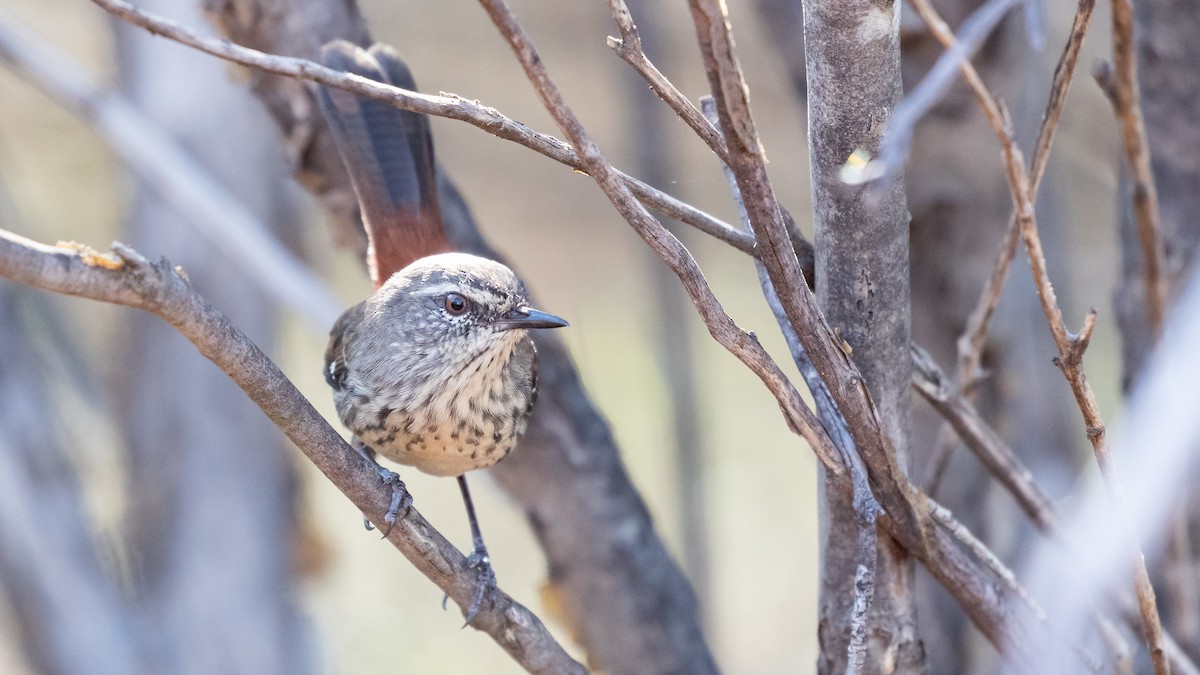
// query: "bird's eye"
[[456, 304]]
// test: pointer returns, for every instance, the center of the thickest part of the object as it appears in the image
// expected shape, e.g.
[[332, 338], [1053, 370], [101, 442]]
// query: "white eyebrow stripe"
[[439, 289], [476, 294]]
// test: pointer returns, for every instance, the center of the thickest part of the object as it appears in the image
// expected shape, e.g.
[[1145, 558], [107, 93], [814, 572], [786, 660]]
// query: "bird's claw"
[[401, 501], [479, 561]]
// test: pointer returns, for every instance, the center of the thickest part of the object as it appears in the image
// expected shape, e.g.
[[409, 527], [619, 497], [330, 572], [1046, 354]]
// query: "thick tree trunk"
[[853, 59], [213, 490]]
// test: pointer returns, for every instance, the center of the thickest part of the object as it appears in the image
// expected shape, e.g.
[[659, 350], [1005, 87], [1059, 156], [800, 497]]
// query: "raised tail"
[[389, 155]]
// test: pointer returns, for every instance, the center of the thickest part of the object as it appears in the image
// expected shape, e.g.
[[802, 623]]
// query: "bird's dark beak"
[[527, 317]]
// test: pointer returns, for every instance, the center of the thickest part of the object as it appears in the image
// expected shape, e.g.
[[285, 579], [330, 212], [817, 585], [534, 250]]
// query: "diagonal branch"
[[975, 332], [151, 152], [629, 48], [1126, 99], [449, 106], [738, 342], [126, 278], [1070, 346]]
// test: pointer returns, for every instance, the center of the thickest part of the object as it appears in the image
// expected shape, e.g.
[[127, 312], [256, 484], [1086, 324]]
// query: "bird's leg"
[[478, 559], [401, 500]]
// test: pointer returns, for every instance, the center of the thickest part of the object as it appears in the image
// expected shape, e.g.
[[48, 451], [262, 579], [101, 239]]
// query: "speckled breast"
[[447, 447]]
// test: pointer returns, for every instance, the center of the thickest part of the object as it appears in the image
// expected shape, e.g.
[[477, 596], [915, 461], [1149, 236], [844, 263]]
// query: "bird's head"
[[450, 308]]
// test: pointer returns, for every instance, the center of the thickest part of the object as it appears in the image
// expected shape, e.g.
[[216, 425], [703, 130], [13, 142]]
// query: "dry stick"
[[996, 455], [449, 106], [125, 277], [1127, 102], [974, 335], [866, 508], [1070, 347], [152, 153], [629, 48], [935, 386], [738, 342]]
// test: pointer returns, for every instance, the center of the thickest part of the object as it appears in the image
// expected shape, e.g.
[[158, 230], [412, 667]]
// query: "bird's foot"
[[401, 501], [478, 561]]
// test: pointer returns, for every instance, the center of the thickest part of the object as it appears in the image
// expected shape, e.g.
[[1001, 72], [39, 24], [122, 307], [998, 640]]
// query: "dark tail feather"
[[389, 155]]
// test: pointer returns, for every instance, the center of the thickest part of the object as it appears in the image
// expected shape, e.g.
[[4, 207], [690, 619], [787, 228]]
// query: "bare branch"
[[629, 48], [738, 342], [449, 106], [1126, 98], [1070, 347], [157, 158], [992, 451], [975, 332], [124, 277]]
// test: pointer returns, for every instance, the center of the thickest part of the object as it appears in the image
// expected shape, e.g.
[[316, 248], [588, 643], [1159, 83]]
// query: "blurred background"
[[728, 486]]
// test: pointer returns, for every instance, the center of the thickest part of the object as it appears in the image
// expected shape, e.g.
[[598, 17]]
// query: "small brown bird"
[[436, 369]]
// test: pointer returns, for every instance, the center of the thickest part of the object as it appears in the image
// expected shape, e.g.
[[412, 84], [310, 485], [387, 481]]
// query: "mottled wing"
[[389, 155]]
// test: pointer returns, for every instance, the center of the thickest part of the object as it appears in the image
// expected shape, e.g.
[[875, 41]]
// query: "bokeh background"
[[754, 563]]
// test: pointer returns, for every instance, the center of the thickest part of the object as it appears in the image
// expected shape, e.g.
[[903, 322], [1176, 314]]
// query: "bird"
[[435, 369]]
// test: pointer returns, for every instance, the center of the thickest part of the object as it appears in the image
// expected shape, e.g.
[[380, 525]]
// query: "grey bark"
[[213, 491], [623, 596], [861, 241], [1167, 53]]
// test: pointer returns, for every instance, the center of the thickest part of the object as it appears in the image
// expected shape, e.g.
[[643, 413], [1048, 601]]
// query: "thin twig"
[[629, 48], [974, 336], [738, 342], [1070, 351], [992, 451], [1128, 108], [155, 156], [125, 277], [449, 106]]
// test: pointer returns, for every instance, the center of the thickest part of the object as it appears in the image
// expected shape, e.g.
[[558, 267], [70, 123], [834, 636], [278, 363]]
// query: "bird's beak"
[[527, 317]]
